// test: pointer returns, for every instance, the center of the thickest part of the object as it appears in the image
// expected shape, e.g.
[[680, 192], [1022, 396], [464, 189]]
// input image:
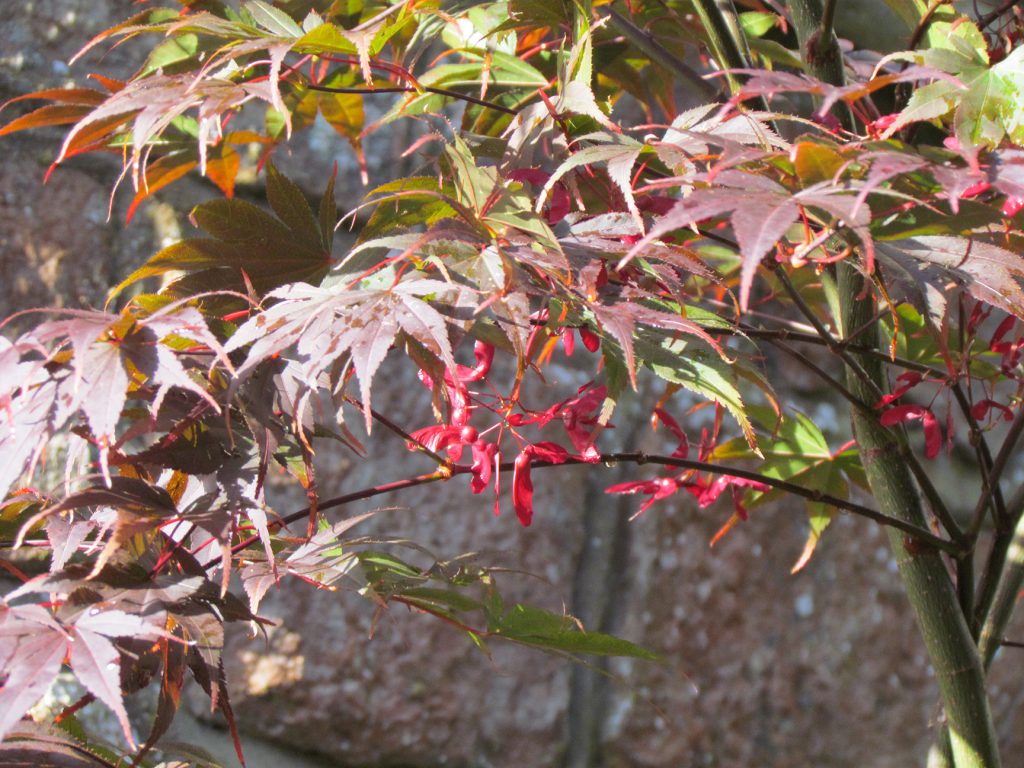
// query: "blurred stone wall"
[[760, 668]]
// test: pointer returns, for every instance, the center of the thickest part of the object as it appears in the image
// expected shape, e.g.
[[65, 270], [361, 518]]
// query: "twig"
[[646, 42], [785, 334], [412, 89], [390, 425], [922, 535], [998, 465], [922, 25], [830, 341], [994, 616], [991, 16], [832, 382], [982, 452]]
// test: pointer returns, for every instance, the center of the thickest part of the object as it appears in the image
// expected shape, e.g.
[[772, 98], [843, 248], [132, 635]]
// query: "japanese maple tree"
[[626, 184]]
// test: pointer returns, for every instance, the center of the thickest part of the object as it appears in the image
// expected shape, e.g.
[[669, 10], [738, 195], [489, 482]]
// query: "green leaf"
[[406, 203], [536, 627], [815, 162], [757, 23], [446, 600], [272, 19], [698, 368], [172, 51], [936, 219], [379, 565]]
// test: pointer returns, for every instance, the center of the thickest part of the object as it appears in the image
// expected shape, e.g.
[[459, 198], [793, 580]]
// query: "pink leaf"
[[97, 666], [30, 662]]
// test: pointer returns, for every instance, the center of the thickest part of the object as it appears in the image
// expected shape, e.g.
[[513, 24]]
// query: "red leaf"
[[546, 451], [932, 430], [483, 462], [707, 494], [590, 339], [158, 175], [910, 380], [683, 449], [51, 114], [522, 489], [658, 488], [982, 407], [483, 353], [569, 341]]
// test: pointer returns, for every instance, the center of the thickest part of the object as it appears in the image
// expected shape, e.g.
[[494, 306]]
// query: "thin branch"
[[412, 89], [922, 25], [938, 506], [795, 332], [814, 368], [991, 16], [922, 535], [1005, 533], [340, 501], [830, 341], [995, 616], [981, 450], [998, 465], [646, 42], [724, 46], [391, 426]]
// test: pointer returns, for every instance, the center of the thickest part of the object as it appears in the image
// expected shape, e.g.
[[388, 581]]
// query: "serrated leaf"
[[39, 656], [271, 251], [448, 601], [51, 114], [757, 23], [988, 272], [697, 368], [291, 207], [172, 51], [326, 324], [936, 219], [97, 665], [272, 19]]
